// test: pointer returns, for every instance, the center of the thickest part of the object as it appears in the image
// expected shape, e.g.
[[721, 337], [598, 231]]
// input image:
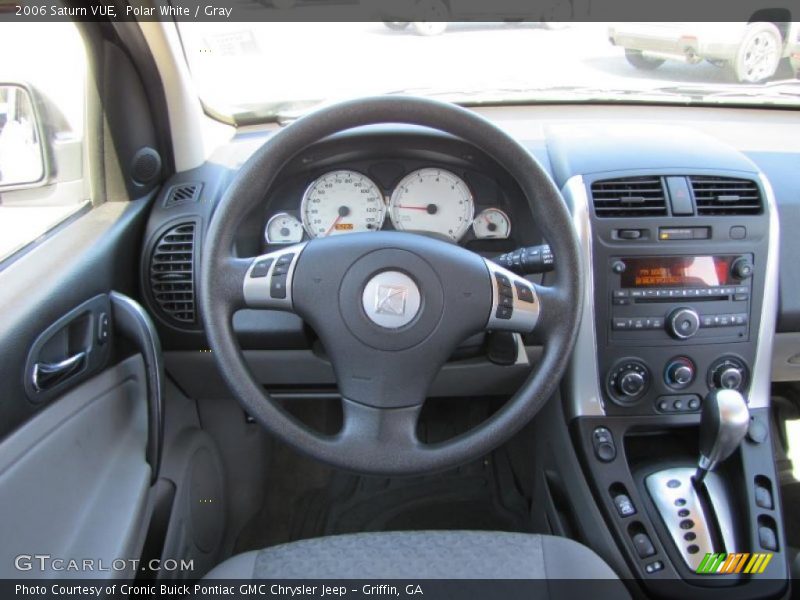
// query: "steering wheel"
[[389, 307]]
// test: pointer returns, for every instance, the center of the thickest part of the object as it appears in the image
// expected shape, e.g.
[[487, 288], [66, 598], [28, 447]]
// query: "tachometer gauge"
[[342, 202], [492, 223], [283, 228], [432, 201]]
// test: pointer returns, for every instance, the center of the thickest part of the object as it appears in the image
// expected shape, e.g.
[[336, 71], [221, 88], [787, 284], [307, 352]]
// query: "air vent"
[[172, 274], [726, 196], [183, 192], [630, 197]]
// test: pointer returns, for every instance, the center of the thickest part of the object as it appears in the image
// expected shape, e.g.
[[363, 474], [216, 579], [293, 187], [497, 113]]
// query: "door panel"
[[74, 480]]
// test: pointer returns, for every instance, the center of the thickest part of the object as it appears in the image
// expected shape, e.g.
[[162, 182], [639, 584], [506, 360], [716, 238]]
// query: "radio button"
[[637, 293], [621, 324], [621, 293]]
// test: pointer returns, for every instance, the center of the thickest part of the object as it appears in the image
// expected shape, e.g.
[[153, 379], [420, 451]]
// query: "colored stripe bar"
[[767, 558], [701, 568], [741, 562]]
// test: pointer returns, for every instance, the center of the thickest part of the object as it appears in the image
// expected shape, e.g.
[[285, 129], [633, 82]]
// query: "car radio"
[[677, 298]]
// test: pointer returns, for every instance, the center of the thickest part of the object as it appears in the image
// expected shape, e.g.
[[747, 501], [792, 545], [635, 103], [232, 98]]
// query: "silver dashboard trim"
[[759, 393], [675, 485], [583, 377]]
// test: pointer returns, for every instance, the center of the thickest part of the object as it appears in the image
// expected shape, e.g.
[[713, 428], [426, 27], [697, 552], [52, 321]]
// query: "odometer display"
[[342, 202]]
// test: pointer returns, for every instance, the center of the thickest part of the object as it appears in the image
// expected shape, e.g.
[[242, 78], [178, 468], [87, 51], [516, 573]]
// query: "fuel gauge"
[[492, 223], [283, 228]]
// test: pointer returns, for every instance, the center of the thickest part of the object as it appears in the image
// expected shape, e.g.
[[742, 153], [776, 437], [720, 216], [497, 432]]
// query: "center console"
[[681, 266]]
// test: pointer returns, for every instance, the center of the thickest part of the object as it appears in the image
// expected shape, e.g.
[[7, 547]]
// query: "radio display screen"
[[676, 271]]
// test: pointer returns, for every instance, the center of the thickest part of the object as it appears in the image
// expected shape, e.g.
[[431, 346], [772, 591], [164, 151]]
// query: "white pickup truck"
[[751, 50]]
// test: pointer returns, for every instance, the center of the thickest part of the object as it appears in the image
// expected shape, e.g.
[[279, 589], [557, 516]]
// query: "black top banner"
[[401, 10]]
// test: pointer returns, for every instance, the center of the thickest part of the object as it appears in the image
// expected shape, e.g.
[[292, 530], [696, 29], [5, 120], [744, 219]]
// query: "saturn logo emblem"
[[391, 299]]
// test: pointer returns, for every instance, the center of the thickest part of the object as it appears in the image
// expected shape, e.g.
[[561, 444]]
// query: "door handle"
[[46, 375]]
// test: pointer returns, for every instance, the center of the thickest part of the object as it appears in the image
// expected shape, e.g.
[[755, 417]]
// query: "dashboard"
[[678, 213]]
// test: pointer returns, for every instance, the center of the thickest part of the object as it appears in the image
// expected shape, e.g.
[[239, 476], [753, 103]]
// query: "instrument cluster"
[[431, 201]]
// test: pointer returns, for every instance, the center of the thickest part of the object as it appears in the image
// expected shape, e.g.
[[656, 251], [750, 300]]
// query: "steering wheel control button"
[[524, 292], [603, 444], [268, 281], [261, 268], [504, 312], [391, 299], [277, 286], [514, 306]]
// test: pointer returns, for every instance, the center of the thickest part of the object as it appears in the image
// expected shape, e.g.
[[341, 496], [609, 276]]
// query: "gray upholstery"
[[420, 555]]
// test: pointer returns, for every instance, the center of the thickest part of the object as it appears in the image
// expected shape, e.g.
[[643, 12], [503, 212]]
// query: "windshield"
[[258, 71]]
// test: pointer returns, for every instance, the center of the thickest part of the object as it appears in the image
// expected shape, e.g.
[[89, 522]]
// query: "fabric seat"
[[420, 555]]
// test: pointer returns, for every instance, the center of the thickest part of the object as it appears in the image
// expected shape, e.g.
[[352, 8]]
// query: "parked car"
[[751, 50]]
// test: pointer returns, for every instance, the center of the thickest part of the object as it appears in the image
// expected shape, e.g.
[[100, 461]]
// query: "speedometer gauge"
[[342, 202], [432, 201]]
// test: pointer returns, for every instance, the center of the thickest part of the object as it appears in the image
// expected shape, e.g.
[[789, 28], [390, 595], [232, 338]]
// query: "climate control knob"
[[628, 382], [728, 372], [679, 373], [683, 323], [729, 378]]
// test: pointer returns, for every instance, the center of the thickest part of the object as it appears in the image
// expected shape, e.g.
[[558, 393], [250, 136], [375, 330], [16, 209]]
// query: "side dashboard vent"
[[183, 192], [630, 197], [172, 274], [726, 196]]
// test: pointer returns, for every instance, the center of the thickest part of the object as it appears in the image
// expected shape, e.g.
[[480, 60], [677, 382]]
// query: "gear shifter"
[[723, 424]]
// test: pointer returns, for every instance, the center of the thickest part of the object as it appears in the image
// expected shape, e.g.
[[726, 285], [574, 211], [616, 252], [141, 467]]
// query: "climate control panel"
[[675, 386]]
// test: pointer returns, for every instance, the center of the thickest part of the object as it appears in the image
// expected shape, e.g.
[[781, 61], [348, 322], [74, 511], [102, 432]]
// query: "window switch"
[[625, 507], [644, 547], [767, 538], [763, 497]]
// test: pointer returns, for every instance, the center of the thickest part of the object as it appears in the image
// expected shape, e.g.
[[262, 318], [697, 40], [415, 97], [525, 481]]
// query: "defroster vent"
[[172, 274], [630, 197]]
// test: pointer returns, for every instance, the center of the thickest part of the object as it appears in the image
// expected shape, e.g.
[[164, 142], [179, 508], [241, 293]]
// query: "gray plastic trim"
[[74, 482], [133, 322], [583, 377]]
